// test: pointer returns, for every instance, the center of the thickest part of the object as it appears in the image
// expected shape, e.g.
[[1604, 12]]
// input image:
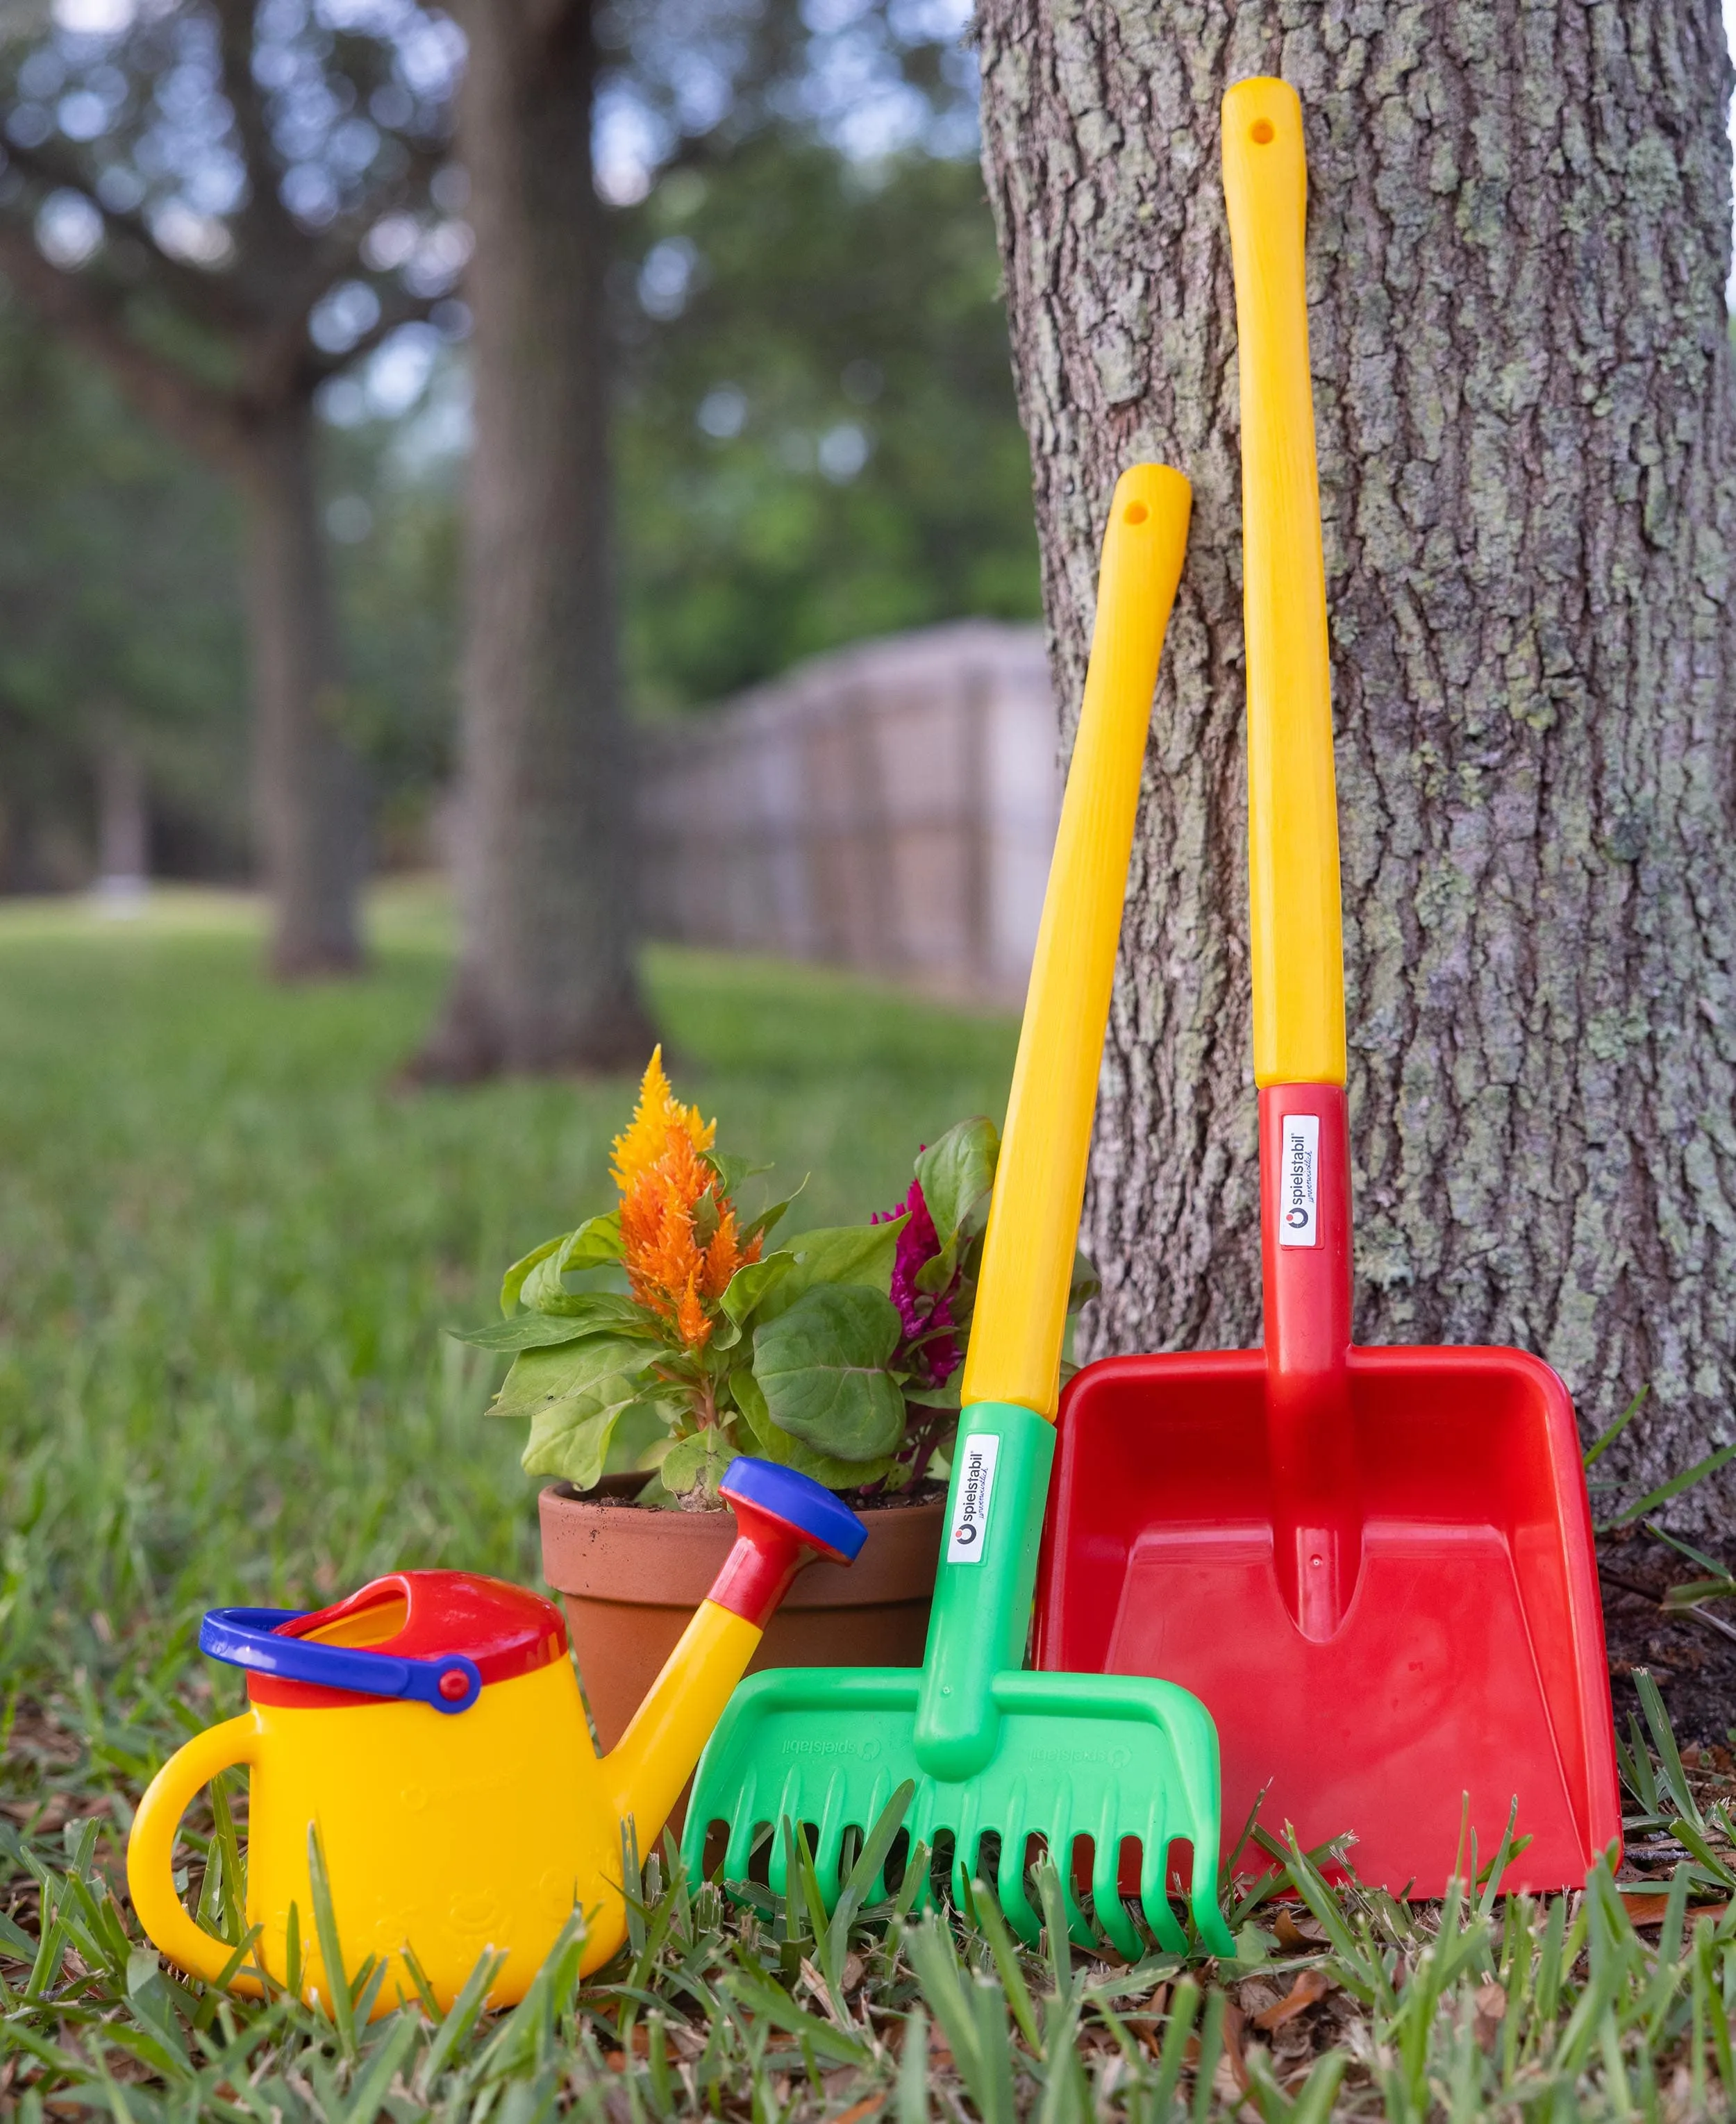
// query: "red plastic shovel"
[[1375, 1566]]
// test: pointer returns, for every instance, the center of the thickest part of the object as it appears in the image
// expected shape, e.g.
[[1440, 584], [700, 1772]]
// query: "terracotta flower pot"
[[629, 1580]]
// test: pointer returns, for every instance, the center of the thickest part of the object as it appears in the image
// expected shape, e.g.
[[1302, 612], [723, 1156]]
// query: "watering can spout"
[[784, 1521]]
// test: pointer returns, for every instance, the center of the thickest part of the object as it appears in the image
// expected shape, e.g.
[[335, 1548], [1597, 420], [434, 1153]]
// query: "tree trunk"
[[546, 979], [308, 796], [1519, 227]]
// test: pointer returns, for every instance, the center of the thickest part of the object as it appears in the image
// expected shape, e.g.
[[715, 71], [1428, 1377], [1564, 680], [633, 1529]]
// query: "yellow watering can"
[[429, 1731]]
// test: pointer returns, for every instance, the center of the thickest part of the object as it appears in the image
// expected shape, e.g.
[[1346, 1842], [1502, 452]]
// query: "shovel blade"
[[1115, 1762], [1469, 1661]]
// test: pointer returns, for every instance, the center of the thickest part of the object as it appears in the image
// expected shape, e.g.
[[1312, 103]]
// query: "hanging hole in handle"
[[1261, 133], [1135, 512]]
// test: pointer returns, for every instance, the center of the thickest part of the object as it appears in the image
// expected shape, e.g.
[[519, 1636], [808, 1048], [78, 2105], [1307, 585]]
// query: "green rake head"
[[1120, 1761]]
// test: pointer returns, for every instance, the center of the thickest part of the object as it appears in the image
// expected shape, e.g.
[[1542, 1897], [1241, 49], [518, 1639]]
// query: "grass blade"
[[460, 2020], [985, 1913], [1183, 2007], [913, 2070], [1663, 1739], [1211, 2050], [338, 2004], [834, 1943], [1601, 1445], [1673, 1488], [367, 2092]]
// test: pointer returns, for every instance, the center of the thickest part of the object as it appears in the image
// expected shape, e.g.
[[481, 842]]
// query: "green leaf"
[[771, 1442], [594, 1245], [588, 1313], [761, 1226], [957, 1177], [1086, 1285], [701, 1460], [513, 1282], [821, 1366], [597, 1241], [540, 1376], [731, 1170], [570, 1437], [749, 1286], [837, 1254]]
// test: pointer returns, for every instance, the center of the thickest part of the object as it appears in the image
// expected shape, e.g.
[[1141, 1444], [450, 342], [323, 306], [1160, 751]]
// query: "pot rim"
[[598, 1553]]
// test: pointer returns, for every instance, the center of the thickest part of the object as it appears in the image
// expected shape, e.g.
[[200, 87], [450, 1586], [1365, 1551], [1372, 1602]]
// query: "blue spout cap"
[[822, 1520]]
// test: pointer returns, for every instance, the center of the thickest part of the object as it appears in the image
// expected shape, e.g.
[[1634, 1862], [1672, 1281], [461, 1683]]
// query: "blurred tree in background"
[[224, 203], [813, 430]]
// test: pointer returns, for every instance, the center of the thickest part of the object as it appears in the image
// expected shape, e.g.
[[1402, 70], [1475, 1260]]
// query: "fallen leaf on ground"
[[1235, 2021], [1310, 1986], [1649, 1910], [1295, 1933], [638, 2042], [858, 2111], [1255, 1995]]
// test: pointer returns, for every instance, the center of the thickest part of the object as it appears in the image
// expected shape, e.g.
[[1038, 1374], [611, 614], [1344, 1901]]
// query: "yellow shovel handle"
[[1298, 949], [1033, 1217]]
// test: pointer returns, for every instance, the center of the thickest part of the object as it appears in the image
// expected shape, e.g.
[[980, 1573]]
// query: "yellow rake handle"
[[1033, 1218], [1294, 919]]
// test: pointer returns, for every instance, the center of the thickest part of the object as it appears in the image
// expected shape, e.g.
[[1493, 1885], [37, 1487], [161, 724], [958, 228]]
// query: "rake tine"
[[739, 1850], [1060, 1849], [965, 1841], [835, 1818], [1153, 1890], [1009, 1879], [777, 1872], [1111, 1912]]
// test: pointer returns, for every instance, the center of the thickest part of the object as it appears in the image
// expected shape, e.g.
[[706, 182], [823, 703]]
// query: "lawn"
[[228, 1246]]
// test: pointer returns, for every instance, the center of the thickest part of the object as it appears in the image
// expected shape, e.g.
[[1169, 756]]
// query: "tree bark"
[[1519, 230], [545, 979], [308, 805]]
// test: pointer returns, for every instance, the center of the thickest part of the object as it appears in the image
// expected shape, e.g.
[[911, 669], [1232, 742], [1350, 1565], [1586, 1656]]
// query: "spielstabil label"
[[977, 1457], [1299, 1183]]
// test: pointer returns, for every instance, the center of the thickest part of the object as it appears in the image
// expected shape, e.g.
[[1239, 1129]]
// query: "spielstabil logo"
[[1298, 1175], [977, 1457]]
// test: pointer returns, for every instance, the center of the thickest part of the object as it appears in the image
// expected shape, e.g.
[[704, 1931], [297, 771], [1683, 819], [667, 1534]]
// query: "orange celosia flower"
[[662, 1179], [691, 1323], [658, 1115]]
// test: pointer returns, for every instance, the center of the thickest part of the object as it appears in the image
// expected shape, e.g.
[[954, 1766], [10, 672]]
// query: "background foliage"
[[815, 438]]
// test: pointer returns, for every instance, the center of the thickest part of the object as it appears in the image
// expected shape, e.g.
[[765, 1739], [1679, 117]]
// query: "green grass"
[[228, 1246], [228, 1249]]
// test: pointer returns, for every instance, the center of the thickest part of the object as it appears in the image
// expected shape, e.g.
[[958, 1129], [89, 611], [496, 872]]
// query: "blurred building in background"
[[891, 806]]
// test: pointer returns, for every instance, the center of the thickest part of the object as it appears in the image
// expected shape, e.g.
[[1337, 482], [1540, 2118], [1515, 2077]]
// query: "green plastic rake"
[[999, 1756]]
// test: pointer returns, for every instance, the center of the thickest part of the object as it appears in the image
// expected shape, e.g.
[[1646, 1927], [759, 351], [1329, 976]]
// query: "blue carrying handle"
[[247, 1638]]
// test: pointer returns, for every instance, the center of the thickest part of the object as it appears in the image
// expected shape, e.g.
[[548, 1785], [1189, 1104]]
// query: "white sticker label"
[[977, 1457], [1299, 1183]]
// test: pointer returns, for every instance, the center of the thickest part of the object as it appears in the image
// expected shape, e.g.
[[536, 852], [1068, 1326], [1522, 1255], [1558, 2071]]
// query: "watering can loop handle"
[[249, 1637], [150, 1853], [1295, 922]]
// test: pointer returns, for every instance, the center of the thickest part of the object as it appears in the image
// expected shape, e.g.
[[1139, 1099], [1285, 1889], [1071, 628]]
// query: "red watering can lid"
[[503, 1629]]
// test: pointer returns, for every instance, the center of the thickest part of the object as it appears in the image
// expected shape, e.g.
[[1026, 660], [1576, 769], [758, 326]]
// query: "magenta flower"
[[928, 1321]]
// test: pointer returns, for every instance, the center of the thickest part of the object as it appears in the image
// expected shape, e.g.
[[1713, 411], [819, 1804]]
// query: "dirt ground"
[[1692, 1660]]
